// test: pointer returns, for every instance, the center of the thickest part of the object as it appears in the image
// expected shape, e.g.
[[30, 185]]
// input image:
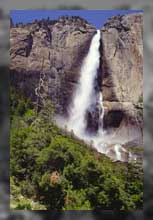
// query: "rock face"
[[46, 57], [122, 75]]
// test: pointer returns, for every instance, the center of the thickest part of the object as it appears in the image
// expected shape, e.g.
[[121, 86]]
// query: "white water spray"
[[85, 93]]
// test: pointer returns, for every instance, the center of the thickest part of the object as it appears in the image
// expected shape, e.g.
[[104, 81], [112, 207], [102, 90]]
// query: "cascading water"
[[85, 93], [87, 99]]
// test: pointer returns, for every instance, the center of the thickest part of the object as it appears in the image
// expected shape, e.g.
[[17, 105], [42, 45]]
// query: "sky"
[[95, 17]]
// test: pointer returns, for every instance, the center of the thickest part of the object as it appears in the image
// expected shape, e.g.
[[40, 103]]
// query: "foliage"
[[50, 169]]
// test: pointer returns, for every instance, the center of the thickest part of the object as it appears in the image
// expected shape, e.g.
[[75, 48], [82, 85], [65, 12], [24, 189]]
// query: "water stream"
[[85, 93]]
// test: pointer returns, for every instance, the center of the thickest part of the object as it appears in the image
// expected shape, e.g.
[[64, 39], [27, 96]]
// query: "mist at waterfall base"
[[86, 97]]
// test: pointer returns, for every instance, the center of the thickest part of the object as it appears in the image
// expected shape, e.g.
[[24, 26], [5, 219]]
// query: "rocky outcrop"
[[46, 57], [122, 76]]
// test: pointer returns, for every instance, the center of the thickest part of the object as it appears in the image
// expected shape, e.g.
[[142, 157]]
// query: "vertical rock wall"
[[46, 58], [122, 75]]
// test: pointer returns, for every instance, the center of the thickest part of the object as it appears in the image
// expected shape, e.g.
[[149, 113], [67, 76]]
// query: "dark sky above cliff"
[[95, 17]]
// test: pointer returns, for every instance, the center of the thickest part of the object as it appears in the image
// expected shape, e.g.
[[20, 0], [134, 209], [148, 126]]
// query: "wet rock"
[[92, 118]]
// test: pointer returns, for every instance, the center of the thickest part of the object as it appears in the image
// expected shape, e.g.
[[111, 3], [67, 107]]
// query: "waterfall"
[[85, 92], [87, 99]]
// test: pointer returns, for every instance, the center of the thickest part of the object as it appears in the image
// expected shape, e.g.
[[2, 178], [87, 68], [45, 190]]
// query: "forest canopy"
[[51, 169]]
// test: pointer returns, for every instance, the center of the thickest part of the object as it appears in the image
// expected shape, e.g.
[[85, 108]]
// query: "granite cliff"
[[122, 76], [46, 57]]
